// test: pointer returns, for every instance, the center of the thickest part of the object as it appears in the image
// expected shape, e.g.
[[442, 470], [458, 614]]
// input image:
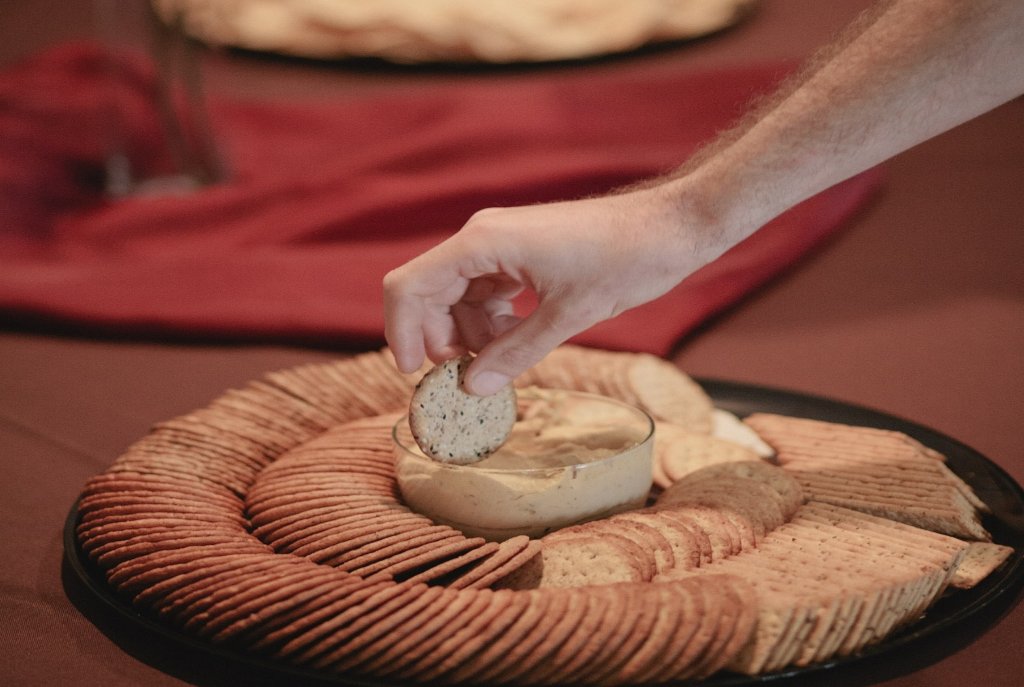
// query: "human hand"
[[586, 260], [590, 260]]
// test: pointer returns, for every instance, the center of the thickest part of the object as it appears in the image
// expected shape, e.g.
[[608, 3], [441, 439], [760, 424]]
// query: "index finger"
[[418, 297], [403, 326]]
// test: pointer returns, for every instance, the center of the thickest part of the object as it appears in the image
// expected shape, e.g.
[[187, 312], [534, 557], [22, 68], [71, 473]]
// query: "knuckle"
[[483, 225], [394, 284], [393, 279], [482, 215]]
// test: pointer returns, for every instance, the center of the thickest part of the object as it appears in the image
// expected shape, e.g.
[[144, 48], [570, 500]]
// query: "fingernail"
[[486, 383]]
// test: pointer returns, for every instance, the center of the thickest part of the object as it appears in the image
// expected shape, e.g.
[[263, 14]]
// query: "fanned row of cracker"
[[271, 522]]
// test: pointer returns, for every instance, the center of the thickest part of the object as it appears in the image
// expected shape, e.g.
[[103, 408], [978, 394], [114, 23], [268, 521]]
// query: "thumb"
[[522, 346]]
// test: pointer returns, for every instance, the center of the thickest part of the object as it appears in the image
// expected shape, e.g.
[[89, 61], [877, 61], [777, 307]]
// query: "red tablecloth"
[[324, 198]]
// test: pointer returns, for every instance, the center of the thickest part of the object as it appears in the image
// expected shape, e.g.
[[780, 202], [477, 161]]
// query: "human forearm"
[[906, 71], [903, 73]]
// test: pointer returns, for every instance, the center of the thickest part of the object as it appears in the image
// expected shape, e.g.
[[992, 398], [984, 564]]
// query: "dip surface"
[[569, 457]]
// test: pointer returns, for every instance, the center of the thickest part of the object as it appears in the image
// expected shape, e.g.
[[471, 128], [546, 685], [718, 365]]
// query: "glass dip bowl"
[[571, 457]]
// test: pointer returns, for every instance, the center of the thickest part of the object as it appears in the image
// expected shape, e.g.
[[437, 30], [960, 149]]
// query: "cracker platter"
[[783, 535]]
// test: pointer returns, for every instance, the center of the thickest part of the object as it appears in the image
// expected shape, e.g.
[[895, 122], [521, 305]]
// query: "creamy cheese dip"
[[569, 457]]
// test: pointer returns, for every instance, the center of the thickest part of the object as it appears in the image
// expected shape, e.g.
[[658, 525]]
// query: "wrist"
[[710, 213]]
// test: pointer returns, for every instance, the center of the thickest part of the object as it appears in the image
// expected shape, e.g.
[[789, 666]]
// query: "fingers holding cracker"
[[453, 426]]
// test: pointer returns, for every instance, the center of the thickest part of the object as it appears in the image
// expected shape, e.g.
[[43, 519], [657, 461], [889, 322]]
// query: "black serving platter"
[[948, 626]]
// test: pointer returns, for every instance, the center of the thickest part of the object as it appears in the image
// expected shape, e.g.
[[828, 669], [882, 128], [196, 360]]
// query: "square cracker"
[[980, 561]]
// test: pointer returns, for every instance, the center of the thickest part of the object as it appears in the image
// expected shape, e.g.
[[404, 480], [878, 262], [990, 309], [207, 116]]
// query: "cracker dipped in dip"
[[568, 457]]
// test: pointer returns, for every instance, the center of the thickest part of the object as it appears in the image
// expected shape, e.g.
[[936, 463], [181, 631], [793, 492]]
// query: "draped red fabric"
[[325, 197]]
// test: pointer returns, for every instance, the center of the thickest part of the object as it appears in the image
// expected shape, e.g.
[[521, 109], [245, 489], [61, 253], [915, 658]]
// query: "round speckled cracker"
[[666, 625], [301, 491], [111, 536], [512, 554], [181, 591], [430, 573], [746, 623], [515, 659], [130, 513], [301, 521], [321, 533], [262, 599], [786, 488], [435, 553], [557, 662], [703, 638], [408, 636], [292, 635], [338, 502], [625, 609], [285, 483], [737, 508], [482, 665], [685, 452], [599, 638], [194, 600], [138, 573], [723, 536], [136, 524], [310, 644], [416, 555], [667, 393], [337, 644], [337, 460], [644, 602], [729, 614], [384, 632], [453, 426], [434, 635], [558, 633], [126, 518], [679, 654], [155, 542], [128, 482], [342, 540], [369, 554], [488, 624], [102, 501]]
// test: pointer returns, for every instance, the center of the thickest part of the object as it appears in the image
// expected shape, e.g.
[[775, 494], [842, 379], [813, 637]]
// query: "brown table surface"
[[916, 310]]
